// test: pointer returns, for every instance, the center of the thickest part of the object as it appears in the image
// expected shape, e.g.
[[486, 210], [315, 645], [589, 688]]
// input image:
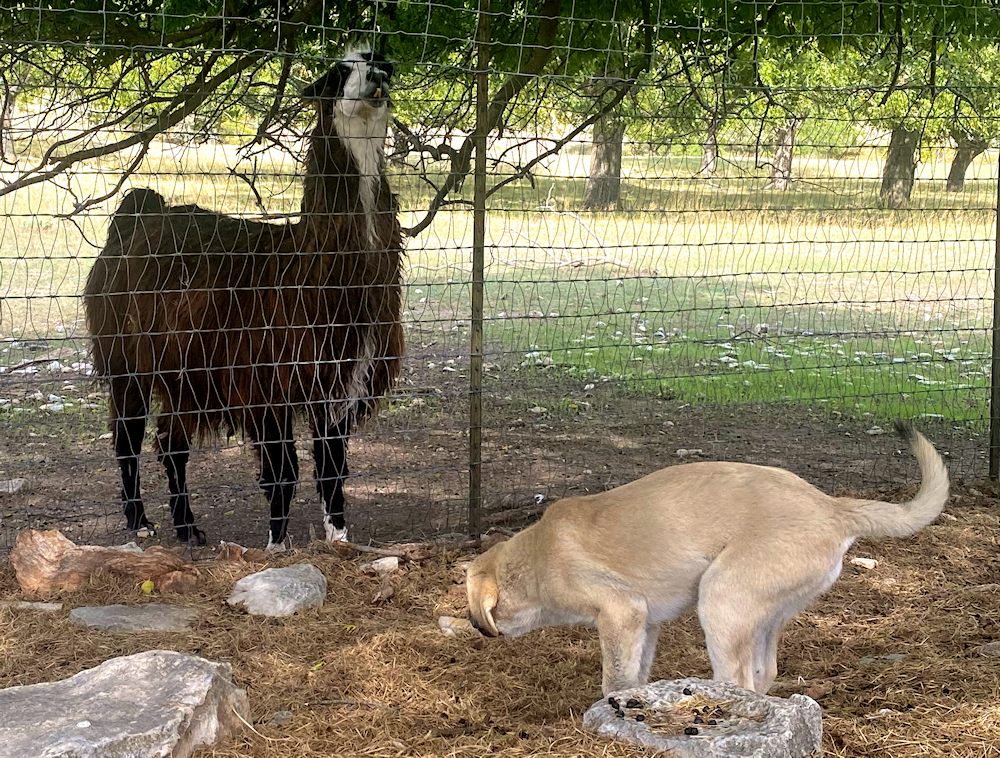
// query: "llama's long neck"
[[363, 135], [344, 169]]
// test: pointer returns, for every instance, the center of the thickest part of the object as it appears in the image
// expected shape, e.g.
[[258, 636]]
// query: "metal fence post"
[[478, 265], [995, 355]]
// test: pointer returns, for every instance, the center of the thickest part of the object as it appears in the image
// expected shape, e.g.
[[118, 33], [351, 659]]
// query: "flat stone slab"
[[10, 486], [280, 591], [662, 716], [153, 704], [990, 648], [152, 617], [26, 605]]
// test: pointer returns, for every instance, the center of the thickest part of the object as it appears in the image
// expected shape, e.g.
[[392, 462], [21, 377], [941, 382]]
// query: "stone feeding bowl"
[[697, 718]]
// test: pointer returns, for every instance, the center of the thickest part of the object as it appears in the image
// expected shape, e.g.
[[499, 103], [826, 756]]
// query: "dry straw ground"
[[381, 680]]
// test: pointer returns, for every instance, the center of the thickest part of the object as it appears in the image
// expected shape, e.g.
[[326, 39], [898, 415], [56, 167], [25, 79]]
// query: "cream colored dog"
[[751, 545]]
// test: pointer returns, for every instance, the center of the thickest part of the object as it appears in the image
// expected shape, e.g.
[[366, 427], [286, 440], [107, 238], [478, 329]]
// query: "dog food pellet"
[[633, 703], [712, 722], [687, 691], [620, 713], [699, 720], [690, 731], [613, 703], [639, 717]]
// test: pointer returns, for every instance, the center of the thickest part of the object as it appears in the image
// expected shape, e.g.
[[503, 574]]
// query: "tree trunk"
[[900, 166], [9, 101], [604, 183], [710, 149], [969, 146], [781, 168]]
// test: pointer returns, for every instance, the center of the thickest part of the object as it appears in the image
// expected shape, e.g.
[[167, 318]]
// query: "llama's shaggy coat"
[[238, 324]]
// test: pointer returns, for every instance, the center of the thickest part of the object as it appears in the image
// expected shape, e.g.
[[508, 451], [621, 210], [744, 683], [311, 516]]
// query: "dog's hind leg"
[[765, 656], [648, 652], [729, 608], [743, 609], [622, 627]]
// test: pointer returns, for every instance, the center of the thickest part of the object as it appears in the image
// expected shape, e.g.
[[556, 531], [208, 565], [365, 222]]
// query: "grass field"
[[710, 291]]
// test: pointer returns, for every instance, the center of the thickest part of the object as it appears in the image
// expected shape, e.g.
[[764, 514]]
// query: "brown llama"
[[241, 325]]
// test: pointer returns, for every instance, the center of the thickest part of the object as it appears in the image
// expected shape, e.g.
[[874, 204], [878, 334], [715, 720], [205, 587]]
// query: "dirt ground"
[[545, 436], [381, 680]]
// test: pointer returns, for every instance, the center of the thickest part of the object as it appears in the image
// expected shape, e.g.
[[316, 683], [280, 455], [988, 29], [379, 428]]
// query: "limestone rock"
[[153, 704], [24, 605], [152, 617], [990, 648], [45, 561], [10, 486], [756, 725], [280, 591]]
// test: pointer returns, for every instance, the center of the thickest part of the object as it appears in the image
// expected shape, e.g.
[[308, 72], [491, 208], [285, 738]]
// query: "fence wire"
[[708, 235]]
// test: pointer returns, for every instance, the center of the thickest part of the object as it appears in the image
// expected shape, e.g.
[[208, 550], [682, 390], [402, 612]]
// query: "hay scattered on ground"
[[382, 680]]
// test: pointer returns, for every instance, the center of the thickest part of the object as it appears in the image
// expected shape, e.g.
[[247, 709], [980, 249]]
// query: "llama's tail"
[[129, 217], [874, 518]]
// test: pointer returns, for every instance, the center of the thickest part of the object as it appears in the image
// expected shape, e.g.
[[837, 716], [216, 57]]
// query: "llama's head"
[[356, 89], [355, 93], [353, 99], [357, 85]]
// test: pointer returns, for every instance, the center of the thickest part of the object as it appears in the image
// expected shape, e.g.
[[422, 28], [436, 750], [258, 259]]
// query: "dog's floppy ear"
[[482, 607], [483, 595]]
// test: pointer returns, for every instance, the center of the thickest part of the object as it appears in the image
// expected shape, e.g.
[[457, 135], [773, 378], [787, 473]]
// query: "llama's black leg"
[[174, 448], [129, 405], [330, 454], [279, 469]]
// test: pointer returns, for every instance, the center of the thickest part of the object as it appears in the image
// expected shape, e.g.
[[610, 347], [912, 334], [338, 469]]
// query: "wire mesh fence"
[[723, 234]]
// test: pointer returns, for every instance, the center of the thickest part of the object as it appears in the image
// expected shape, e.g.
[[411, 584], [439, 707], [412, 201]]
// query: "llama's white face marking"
[[361, 117]]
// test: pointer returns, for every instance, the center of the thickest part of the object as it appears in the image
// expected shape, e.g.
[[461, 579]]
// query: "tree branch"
[[461, 163]]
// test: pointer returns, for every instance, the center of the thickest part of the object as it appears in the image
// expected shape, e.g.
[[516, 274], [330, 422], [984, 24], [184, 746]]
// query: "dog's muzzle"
[[478, 628]]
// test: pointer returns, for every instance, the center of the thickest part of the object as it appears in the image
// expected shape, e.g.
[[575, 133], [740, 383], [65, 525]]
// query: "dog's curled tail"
[[874, 518]]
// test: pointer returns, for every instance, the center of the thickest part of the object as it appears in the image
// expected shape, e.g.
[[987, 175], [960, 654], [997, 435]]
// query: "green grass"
[[869, 313]]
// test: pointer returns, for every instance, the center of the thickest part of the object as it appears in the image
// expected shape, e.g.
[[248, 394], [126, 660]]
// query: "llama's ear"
[[328, 85]]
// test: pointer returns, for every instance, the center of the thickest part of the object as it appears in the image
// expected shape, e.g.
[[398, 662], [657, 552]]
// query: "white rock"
[[280, 591], [685, 453], [10, 486], [148, 705], [383, 565], [129, 547], [868, 563]]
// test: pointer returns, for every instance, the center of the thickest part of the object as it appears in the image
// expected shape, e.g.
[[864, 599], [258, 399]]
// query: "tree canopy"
[[143, 67]]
